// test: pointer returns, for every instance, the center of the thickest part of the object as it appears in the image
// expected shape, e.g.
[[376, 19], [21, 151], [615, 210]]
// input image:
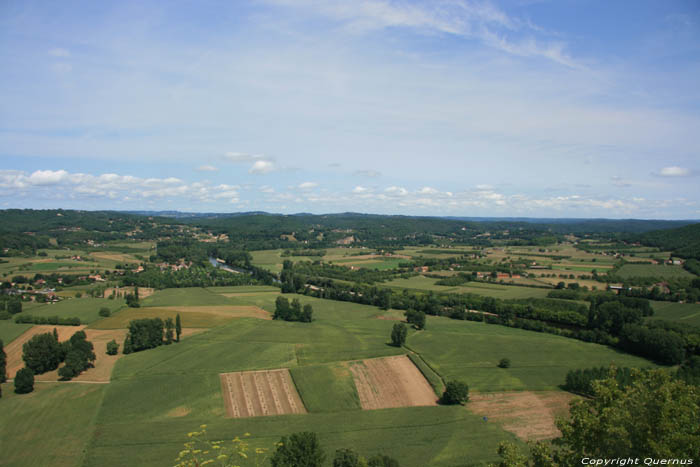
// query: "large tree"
[[656, 416], [3, 363], [398, 334], [42, 353]]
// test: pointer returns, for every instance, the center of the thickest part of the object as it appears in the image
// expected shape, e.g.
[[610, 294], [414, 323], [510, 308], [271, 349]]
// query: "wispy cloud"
[[479, 20], [367, 173], [207, 168]]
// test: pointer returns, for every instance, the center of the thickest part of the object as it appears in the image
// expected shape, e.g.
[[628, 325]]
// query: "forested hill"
[[683, 241]]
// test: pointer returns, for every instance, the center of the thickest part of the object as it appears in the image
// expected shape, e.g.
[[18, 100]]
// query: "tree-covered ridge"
[[683, 241]]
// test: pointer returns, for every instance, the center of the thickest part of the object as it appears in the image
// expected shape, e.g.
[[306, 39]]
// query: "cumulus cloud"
[[675, 171], [360, 189], [307, 185], [426, 190], [262, 167], [60, 184], [396, 190], [207, 168]]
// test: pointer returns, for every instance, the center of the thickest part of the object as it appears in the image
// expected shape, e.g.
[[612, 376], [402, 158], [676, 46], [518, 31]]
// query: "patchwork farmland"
[[260, 393]]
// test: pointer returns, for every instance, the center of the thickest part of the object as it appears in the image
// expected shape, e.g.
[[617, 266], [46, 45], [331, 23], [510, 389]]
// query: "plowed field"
[[260, 393], [391, 382]]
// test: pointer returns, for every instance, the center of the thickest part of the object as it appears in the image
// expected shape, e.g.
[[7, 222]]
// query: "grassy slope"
[[50, 426], [9, 330], [470, 351], [685, 313], [339, 391], [653, 270], [478, 288], [87, 309]]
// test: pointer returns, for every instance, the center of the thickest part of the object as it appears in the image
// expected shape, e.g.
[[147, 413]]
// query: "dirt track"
[[529, 415], [260, 393], [391, 382]]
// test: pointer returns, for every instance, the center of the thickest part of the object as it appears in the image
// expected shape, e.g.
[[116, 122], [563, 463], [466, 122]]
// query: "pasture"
[[136, 421], [683, 313], [87, 309], [486, 289], [470, 351], [660, 271]]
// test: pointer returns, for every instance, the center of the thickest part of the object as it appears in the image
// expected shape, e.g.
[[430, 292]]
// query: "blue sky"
[[473, 108]]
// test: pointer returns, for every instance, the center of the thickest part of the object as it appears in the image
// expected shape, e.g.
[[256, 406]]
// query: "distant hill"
[[683, 241]]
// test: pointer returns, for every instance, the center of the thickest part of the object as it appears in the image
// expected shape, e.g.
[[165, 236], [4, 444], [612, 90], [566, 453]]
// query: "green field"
[[685, 313], [659, 271], [470, 351], [51, 426], [87, 309], [193, 296], [479, 288], [190, 319], [339, 392], [9, 330], [157, 396]]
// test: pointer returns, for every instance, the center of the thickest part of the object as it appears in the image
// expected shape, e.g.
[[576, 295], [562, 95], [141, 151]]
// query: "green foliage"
[[398, 334], [416, 318], [178, 327], [346, 458], [581, 381], [55, 320], [145, 334], [298, 450], [655, 417], [79, 357], [104, 312], [456, 392], [42, 353], [504, 363], [292, 312], [381, 460], [200, 451], [169, 331], [14, 306], [24, 381], [3, 363], [112, 347]]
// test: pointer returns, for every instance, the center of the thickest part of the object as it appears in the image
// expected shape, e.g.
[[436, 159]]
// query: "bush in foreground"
[[299, 450], [24, 381], [456, 392]]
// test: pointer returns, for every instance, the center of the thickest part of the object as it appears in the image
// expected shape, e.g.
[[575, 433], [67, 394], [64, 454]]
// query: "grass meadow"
[[155, 397], [684, 313], [478, 288], [660, 271], [87, 309]]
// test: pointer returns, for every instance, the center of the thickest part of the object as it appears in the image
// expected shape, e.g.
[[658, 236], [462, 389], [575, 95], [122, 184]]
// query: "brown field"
[[14, 348], [528, 415], [103, 365], [144, 292], [260, 393], [391, 382]]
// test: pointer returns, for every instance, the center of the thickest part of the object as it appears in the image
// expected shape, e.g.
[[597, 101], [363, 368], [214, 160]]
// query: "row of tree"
[[292, 311], [149, 333], [44, 352]]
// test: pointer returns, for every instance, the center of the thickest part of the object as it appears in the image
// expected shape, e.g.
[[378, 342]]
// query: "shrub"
[[299, 450], [456, 392], [112, 347], [3, 363], [380, 460], [24, 381], [504, 363], [78, 295], [5, 314], [14, 306], [104, 311], [346, 458]]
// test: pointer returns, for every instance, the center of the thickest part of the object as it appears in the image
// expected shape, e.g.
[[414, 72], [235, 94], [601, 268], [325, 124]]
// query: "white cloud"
[[675, 171], [243, 157], [262, 167], [478, 20], [360, 189], [426, 190], [396, 190], [207, 168], [47, 177], [307, 185]]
